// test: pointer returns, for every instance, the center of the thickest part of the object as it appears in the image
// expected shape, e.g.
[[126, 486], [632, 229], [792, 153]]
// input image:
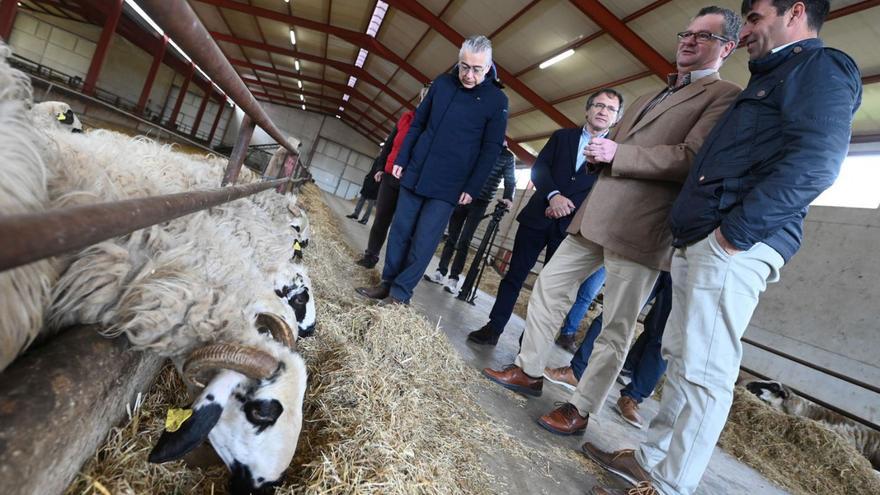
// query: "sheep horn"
[[278, 328], [248, 361]]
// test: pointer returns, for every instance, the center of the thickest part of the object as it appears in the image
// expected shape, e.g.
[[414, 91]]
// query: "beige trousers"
[[627, 285]]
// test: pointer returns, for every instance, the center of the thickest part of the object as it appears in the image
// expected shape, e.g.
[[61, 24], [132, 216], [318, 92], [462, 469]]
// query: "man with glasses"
[[447, 155], [738, 219], [623, 223], [561, 185]]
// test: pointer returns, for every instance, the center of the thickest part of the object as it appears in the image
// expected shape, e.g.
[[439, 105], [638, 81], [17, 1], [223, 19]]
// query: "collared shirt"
[[673, 86], [582, 143]]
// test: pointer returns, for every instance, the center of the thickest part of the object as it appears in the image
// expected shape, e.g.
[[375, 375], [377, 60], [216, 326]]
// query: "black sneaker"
[[484, 336], [368, 261]]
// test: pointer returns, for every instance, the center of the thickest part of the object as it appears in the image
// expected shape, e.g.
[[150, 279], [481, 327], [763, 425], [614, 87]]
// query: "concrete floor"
[[725, 475]]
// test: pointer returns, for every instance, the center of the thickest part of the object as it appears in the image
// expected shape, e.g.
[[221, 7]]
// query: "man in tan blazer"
[[623, 222]]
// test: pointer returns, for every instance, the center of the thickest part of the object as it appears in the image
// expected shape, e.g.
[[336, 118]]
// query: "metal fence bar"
[[180, 22], [34, 236]]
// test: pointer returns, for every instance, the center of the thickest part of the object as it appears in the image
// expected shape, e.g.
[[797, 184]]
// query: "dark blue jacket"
[[554, 170], [777, 147], [454, 139]]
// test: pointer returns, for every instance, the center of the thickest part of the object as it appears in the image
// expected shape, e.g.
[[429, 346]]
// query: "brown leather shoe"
[[643, 488], [512, 377], [564, 420], [561, 376], [378, 292], [622, 463], [629, 411]]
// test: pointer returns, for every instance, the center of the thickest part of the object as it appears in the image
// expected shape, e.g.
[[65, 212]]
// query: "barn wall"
[[68, 46], [824, 310]]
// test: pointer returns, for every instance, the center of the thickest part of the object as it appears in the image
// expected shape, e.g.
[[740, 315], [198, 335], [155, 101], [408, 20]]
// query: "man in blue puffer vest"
[[449, 151], [737, 221]]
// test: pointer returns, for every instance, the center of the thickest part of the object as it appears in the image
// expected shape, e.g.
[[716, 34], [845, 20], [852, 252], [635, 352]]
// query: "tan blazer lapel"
[[680, 96]]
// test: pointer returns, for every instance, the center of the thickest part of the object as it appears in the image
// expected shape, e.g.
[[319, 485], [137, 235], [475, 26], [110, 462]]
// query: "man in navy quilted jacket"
[[449, 151], [738, 219]]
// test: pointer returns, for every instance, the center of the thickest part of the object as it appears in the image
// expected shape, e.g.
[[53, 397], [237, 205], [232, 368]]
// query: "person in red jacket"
[[389, 189]]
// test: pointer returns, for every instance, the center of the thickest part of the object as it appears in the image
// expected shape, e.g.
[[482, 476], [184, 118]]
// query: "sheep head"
[[773, 393], [250, 410]]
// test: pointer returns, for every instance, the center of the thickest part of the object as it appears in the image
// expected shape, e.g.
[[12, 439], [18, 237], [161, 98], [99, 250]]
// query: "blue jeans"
[[415, 232], [587, 292], [643, 359]]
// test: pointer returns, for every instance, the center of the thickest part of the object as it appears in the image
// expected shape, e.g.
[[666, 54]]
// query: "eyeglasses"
[[701, 36], [465, 68], [602, 106]]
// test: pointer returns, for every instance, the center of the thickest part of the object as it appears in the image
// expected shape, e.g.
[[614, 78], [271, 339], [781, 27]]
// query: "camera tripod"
[[468, 290]]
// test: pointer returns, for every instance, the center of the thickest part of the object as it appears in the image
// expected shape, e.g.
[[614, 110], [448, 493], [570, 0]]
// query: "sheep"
[[781, 398], [25, 153], [57, 113], [295, 288]]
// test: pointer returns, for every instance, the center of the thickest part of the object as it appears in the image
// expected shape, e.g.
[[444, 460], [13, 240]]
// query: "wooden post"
[[239, 152], [59, 401]]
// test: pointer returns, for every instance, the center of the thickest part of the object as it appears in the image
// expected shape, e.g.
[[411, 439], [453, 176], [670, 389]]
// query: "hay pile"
[[796, 453], [389, 408]]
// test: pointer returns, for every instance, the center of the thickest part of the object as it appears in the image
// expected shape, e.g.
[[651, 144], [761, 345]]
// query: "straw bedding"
[[389, 408], [796, 453]]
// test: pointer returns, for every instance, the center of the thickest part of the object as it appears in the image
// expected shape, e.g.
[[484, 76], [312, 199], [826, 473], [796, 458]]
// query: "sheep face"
[[773, 393], [253, 424]]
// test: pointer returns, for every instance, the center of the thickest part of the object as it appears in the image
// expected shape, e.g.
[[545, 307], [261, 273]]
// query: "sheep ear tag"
[[190, 432], [61, 116], [297, 246], [175, 418]]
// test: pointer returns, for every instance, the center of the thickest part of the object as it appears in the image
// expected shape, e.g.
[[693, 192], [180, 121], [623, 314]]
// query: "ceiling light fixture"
[[552, 60], [345, 97], [341, 109], [296, 64], [299, 83], [337, 116], [304, 107], [292, 37], [302, 98]]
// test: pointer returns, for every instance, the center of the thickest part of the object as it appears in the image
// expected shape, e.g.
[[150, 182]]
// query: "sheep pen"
[[385, 411]]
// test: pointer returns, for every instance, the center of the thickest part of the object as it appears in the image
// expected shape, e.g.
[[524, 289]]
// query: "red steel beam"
[[339, 101], [8, 9], [851, 9], [201, 112], [103, 46], [151, 75], [220, 110], [423, 14], [626, 37], [588, 91], [181, 95], [346, 68]]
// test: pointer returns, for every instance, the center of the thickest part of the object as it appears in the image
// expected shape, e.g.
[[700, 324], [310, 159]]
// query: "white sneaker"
[[436, 278], [452, 285]]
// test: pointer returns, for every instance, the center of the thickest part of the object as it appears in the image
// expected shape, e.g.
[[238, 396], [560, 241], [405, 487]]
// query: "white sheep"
[[294, 286], [25, 153], [781, 398], [56, 113]]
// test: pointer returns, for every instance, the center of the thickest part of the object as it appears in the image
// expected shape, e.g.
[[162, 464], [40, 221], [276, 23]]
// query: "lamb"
[[780, 397]]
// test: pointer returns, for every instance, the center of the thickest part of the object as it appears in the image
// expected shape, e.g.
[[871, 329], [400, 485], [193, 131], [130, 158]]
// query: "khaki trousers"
[[627, 285], [713, 297]]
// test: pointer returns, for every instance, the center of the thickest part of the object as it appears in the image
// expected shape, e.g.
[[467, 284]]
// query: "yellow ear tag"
[[297, 246], [176, 418], [60, 116]]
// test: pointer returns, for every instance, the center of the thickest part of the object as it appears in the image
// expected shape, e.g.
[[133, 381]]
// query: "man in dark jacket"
[[561, 184], [370, 187], [738, 219], [466, 218], [449, 150]]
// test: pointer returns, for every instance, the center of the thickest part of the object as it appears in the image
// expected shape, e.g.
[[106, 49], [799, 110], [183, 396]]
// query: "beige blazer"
[[627, 211]]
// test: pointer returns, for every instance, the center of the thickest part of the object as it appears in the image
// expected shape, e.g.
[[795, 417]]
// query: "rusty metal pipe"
[[181, 24], [239, 152], [34, 236]]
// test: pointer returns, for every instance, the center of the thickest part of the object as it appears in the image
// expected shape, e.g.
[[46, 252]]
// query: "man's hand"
[[397, 171], [724, 243], [506, 202], [464, 199], [600, 150], [560, 206], [378, 176]]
